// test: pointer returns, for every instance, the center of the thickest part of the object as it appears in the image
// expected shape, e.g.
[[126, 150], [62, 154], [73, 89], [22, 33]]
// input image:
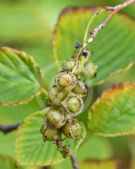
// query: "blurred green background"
[[28, 25]]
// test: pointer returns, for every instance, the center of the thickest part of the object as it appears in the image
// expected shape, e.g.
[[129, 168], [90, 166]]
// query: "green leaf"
[[100, 149], [105, 164], [30, 147], [109, 53], [42, 52], [18, 113], [113, 114], [20, 77]]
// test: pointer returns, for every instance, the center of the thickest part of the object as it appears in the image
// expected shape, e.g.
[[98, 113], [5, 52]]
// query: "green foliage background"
[[28, 25]]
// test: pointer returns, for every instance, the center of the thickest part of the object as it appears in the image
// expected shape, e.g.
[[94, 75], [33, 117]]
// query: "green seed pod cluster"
[[89, 69], [84, 67], [65, 99]]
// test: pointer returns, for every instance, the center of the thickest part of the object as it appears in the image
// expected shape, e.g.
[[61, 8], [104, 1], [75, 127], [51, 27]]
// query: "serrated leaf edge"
[[42, 90]]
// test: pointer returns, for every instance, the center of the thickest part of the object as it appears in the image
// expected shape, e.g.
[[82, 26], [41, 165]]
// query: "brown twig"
[[74, 162], [96, 30], [9, 128], [115, 10]]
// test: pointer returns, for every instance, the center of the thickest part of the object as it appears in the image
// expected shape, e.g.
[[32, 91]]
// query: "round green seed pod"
[[73, 104], [73, 129], [55, 118], [80, 89], [69, 65], [56, 96], [89, 70], [66, 80], [49, 134]]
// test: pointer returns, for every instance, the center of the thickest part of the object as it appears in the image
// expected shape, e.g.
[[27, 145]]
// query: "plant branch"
[[89, 23], [9, 128], [115, 10], [89, 38], [74, 162]]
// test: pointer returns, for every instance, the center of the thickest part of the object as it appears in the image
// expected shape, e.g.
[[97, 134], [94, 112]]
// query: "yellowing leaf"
[[114, 112]]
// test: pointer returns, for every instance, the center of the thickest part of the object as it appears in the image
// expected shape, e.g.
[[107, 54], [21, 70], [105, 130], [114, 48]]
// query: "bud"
[[89, 70], [56, 96], [73, 104], [73, 129], [69, 65], [66, 80], [85, 56], [80, 89], [56, 118]]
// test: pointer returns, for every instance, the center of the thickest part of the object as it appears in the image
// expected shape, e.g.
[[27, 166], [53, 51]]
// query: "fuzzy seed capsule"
[[89, 70], [49, 134], [73, 129], [69, 65], [56, 96], [73, 104], [80, 89], [55, 118], [66, 80]]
